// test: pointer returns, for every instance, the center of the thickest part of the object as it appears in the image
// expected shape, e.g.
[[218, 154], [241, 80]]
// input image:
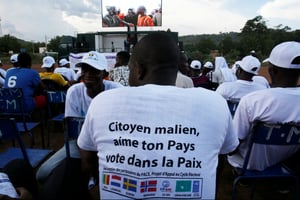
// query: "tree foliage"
[[9, 43], [255, 35]]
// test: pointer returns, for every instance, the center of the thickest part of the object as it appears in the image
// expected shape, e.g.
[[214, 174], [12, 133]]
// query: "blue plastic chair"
[[73, 127], [269, 134], [55, 102], [11, 105], [9, 132]]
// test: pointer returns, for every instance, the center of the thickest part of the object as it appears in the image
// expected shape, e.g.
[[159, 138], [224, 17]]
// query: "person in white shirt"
[[246, 69], [182, 80], [261, 80], [277, 104], [222, 73], [151, 142], [79, 96], [65, 71], [2, 74]]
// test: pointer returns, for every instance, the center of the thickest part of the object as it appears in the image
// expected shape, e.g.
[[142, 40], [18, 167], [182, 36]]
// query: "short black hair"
[[124, 56], [24, 60]]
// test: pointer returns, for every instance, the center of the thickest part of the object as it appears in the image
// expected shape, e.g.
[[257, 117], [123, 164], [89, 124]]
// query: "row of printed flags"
[[148, 185]]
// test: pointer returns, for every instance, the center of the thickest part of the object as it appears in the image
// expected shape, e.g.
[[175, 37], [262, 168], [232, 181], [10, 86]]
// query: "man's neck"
[[92, 92]]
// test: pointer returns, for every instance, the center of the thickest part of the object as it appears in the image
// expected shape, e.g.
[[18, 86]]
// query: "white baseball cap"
[[208, 65], [96, 60], [63, 62], [283, 55], [48, 62], [196, 64], [14, 58], [250, 64]]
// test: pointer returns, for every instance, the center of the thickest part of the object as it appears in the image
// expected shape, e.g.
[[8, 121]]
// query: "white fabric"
[[66, 72], [250, 64], [237, 89], [284, 53], [78, 101], [147, 155], [222, 73], [183, 81], [3, 74], [261, 80], [270, 105]]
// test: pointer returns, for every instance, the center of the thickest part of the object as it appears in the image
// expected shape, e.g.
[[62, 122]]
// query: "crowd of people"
[[115, 17], [157, 126]]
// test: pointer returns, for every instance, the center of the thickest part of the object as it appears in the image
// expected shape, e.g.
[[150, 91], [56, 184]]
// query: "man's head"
[[14, 60], [154, 60], [184, 64], [64, 63], [141, 10], [284, 64], [207, 67], [48, 63], [93, 69], [24, 60], [122, 58], [247, 68], [195, 67]]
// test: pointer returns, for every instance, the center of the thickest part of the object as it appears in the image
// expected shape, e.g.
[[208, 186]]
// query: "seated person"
[[120, 72], [153, 151], [94, 68], [65, 70], [49, 66], [29, 80], [182, 79], [247, 68], [2, 74], [277, 104], [21, 176]]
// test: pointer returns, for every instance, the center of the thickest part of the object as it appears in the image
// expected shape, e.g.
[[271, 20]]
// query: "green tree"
[[54, 44], [205, 45], [253, 35], [9, 43]]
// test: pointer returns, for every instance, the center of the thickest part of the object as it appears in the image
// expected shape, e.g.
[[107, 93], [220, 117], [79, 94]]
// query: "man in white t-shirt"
[[79, 96], [277, 104], [65, 70], [183, 80], [246, 69], [151, 139], [222, 73]]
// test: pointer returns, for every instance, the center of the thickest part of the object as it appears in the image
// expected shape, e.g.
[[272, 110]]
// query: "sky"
[[42, 20]]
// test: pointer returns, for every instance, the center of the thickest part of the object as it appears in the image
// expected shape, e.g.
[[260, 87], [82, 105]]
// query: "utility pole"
[[46, 42], [0, 28]]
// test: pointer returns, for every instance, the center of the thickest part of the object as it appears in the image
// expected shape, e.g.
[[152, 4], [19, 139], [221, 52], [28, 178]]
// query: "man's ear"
[[141, 71]]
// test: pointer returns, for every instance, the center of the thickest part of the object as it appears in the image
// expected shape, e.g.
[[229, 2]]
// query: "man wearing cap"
[[277, 104], [27, 79], [79, 96], [195, 70], [204, 79], [64, 70], [48, 66], [14, 60], [246, 69]]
